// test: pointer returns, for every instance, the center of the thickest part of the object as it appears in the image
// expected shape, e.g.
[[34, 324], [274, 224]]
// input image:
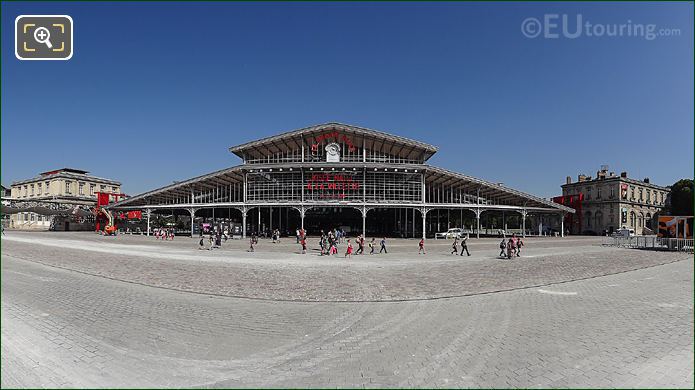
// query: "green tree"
[[682, 197]]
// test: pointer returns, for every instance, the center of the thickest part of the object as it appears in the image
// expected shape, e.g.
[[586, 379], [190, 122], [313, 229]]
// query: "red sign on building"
[[333, 186], [335, 136]]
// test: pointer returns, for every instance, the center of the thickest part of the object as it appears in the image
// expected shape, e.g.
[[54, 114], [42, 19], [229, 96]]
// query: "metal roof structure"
[[373, 140]]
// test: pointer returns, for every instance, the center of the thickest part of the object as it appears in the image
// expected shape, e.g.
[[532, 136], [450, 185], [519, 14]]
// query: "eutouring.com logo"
[[555, 26]]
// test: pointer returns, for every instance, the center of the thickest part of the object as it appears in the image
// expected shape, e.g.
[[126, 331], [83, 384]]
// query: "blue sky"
[[157, 92]]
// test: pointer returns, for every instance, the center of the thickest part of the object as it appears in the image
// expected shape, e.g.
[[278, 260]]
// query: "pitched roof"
[[292, 140], [493, 190], [182, 188]]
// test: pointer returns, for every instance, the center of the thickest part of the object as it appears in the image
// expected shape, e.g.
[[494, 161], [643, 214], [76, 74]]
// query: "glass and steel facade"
[[333, 166]]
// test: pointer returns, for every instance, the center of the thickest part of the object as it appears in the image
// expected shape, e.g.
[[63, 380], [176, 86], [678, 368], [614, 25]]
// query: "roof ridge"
[[421, 144]]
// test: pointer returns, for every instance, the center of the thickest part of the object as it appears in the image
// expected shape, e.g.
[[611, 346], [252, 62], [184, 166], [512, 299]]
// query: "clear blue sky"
[[157, 92]]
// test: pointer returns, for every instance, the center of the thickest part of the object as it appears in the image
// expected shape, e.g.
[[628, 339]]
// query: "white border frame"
[[72, 38]]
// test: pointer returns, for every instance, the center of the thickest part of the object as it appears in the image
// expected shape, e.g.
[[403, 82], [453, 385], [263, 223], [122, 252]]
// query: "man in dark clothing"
[[464, 246]]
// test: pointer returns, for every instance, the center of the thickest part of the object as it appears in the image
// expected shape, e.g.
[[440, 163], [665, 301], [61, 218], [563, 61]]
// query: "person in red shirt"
[[348, 251]]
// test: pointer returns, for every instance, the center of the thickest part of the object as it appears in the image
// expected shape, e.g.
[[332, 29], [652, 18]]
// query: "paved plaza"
[[82, 310]]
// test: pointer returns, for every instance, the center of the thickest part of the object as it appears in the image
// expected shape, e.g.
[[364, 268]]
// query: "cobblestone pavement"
[[276, 272], [67, 329]]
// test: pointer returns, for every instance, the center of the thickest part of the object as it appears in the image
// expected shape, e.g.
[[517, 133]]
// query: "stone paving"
[[62, 328], [276, 272]]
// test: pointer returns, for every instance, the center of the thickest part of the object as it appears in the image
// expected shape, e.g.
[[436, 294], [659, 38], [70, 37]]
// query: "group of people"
[[464, 246], [276, 236], [163, 234], [214, 241], [512, 247], [329, 242]]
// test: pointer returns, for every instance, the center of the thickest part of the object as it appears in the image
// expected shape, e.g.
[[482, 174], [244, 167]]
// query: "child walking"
[[348, 251]]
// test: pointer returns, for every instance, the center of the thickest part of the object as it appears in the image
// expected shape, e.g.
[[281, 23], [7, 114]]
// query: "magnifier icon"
[[42, 35]]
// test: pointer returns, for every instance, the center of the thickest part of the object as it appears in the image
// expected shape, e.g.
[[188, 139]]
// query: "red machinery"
[[573, 222], [105, 216]]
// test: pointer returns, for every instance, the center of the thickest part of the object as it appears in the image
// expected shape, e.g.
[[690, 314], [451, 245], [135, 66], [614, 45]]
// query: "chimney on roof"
[[646, 180], [623, 174], [568, 180], [581, 178], [611, 174]]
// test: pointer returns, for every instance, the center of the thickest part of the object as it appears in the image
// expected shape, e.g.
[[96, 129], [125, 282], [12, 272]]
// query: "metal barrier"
[[651, 242]]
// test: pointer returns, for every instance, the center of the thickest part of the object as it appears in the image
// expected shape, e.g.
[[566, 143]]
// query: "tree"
[[682, 197]]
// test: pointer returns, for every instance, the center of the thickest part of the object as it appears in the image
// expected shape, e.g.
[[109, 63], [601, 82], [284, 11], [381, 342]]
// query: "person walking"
[[251, 242], [348, 250], [372, 245], [455, 246], [303, 242], [360, 245], [464, 246], [201, 244], [383, 246], [421, 246], [333, 245], [297, 234], [519, 244], [511, 248], [503, 246]]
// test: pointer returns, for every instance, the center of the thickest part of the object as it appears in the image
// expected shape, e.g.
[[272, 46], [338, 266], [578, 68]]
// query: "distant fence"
[[651, 242]]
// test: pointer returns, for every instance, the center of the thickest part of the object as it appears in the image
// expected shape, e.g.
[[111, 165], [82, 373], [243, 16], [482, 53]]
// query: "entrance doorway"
[[348, 219]]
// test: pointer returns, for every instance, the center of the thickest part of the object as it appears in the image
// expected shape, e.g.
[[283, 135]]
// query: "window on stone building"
[[632, 193], [48, 186], [26, 191], [81, 189], [67, 187], [32, 190], [588, 193], [641, 198], [598, 192], [612, 195], [92, 187], [38, 189], [649, 196], [102, 188], [632, 219], [114, 189]]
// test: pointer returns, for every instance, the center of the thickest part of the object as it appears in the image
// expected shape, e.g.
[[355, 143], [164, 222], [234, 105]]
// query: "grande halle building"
[[343, 176]]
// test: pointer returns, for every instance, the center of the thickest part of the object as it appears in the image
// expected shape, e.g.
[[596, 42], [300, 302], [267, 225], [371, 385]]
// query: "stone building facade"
[[59, 188], [611, 202]]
